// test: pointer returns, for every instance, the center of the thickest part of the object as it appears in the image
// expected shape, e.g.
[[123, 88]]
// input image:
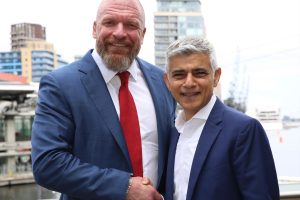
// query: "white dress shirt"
[[145, 109], [190, 132]]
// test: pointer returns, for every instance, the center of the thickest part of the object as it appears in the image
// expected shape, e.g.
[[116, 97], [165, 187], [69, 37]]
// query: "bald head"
[[119, 31], [135, 5]]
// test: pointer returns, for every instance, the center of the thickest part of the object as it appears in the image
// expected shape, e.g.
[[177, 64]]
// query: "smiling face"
[[119, 32], [191, 81]]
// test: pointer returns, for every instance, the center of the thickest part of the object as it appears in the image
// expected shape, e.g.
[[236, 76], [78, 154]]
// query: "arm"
[[54, 165], [254, 165]]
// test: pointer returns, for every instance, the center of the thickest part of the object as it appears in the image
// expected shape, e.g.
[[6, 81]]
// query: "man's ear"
[[166, 80], [95, 30], [217, 76], [143, 35]]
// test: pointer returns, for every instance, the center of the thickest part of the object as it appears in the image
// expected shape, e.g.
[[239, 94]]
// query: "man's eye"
[[200, 74], [132, 26], [178, 75], [108, 23]]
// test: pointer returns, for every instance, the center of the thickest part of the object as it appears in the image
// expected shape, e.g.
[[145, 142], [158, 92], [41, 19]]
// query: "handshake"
[[141, 188]]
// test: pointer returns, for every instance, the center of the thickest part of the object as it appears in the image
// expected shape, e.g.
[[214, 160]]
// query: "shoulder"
[[239, 119], [241, 128], [235, 114], [70, 71]]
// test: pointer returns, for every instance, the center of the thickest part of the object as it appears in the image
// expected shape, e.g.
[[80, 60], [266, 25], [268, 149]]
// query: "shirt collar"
[[201, 114], [109, 74]]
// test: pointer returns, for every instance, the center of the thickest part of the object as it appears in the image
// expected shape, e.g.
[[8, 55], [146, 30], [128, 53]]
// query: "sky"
[[257, 41]]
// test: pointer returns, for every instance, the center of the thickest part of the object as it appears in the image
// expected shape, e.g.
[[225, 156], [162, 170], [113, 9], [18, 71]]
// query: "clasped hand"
[[142, 189]]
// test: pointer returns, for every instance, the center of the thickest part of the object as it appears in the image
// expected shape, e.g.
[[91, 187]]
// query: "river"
[[26, 192], [286, 151], [285, 147]]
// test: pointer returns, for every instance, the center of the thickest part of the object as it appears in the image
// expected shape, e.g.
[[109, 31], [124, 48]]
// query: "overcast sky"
[[266, 33]]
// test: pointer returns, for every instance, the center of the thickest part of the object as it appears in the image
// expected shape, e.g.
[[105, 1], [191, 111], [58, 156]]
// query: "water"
[[285, 147], [286, 151], [26, 192]]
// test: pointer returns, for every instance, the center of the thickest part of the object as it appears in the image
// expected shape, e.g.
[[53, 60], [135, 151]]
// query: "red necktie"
[[130, 125]]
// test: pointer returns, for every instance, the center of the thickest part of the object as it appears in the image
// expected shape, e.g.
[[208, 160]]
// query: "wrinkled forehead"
[[126, 7]]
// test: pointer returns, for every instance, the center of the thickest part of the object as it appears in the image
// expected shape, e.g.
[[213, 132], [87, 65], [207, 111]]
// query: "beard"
[[117, 62]]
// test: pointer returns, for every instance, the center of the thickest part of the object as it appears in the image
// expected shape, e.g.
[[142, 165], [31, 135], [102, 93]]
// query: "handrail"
[[289, 187]]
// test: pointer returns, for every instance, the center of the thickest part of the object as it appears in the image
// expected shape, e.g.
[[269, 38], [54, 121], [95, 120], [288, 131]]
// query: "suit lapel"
[[154, 85], [95, 85], [170, 165], [209, 134]]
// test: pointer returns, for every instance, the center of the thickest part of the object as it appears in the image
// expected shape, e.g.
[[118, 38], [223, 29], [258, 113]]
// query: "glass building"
[[33, 61], [31, 56], [173, 20], [10, 62]]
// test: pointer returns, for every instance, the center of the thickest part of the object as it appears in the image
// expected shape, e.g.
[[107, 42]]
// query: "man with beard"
[[80, 145]]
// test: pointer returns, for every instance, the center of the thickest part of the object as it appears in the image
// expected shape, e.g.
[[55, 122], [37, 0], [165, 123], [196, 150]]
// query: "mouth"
[[118, 45], [190, 94], [118, 48]]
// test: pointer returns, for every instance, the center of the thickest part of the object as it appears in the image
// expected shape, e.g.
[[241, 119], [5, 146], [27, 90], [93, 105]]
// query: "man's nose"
[[119, 31], [189, 81]]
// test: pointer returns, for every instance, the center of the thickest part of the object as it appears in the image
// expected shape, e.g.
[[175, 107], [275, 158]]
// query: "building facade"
[[173, 20], [22, 32], [33, 61], [32, 56]]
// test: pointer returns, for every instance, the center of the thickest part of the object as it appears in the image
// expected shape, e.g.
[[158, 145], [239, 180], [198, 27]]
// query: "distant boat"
[[270, 118], [291, 124]]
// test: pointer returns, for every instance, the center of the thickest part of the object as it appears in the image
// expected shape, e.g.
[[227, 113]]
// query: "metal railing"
[[289, 188]]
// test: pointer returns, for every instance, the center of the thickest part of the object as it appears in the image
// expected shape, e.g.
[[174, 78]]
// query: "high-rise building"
[[32, 56], [22, 32], [33, 61], [173, 20]]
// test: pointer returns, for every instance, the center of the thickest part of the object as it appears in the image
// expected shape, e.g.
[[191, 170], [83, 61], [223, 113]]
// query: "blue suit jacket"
[[233, 160], [78, 147]]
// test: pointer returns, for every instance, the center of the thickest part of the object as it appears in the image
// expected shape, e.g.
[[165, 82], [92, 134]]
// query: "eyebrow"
[[193, 70], [178, 70]]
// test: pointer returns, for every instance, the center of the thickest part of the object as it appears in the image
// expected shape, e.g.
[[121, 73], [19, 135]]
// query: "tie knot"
[[124, 76]]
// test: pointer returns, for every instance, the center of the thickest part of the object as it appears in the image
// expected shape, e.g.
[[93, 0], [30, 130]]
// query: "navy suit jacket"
[[78, 147], [233, 160]]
